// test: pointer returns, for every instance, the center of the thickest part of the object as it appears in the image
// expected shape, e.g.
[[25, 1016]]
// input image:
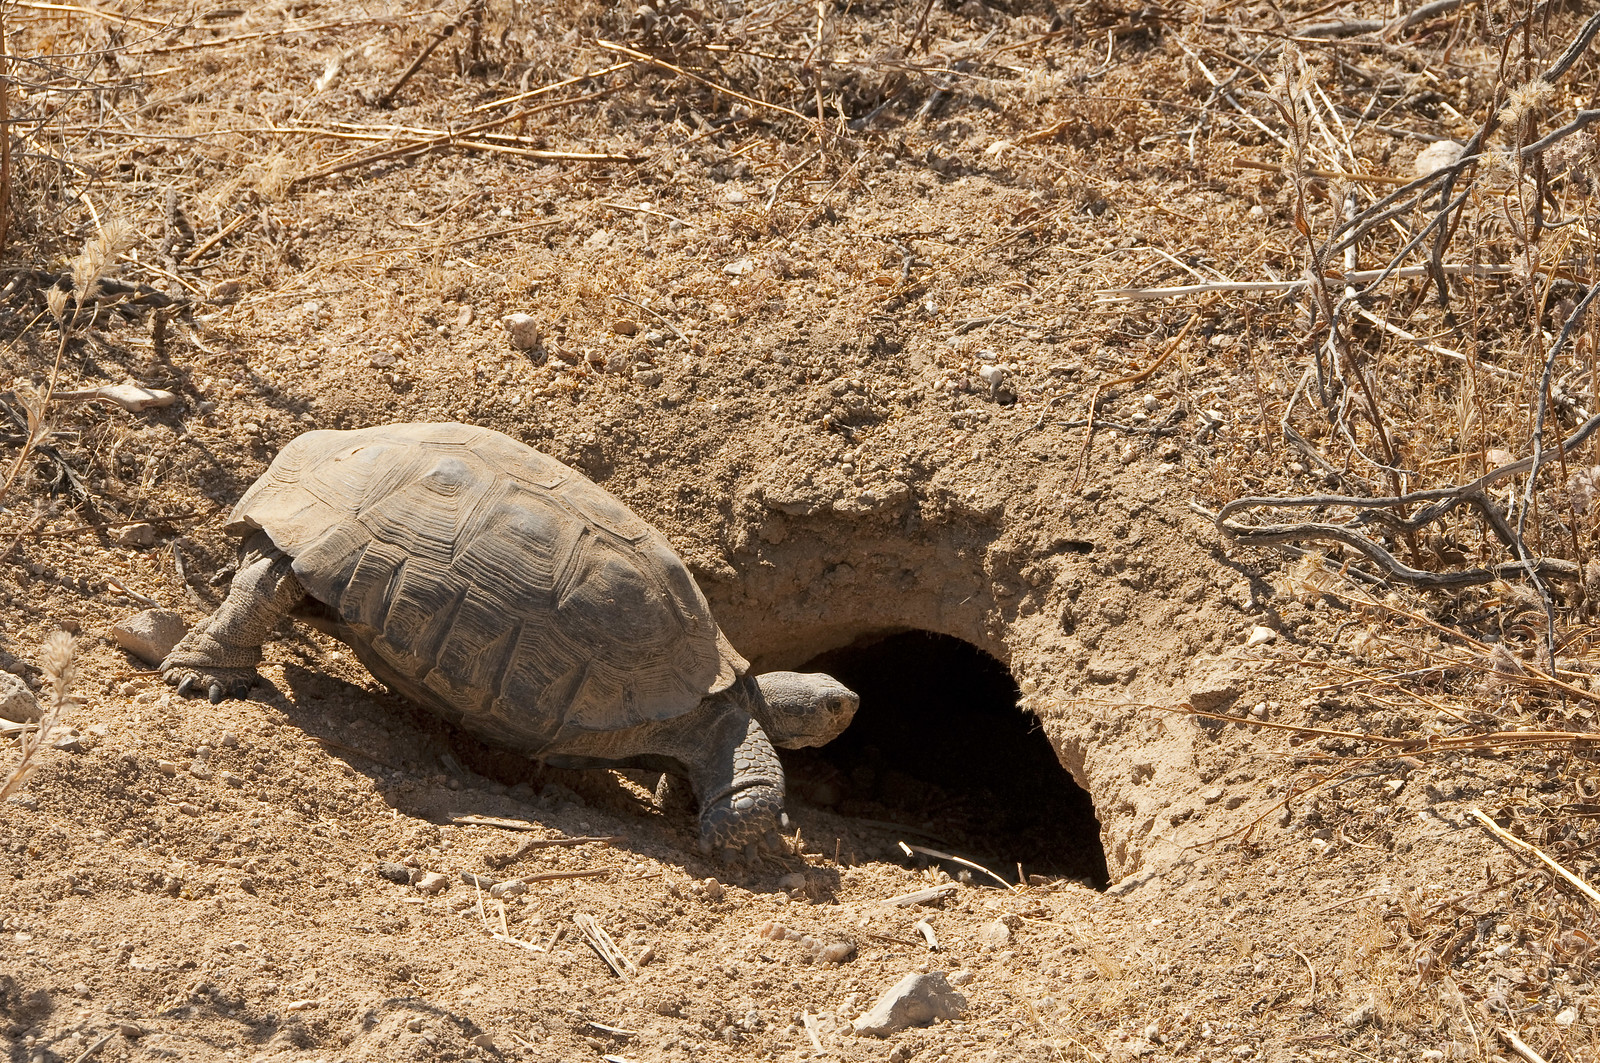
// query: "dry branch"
[[1539, 854], [459, 139], [602, 944], [661, 64], [1436, 503]]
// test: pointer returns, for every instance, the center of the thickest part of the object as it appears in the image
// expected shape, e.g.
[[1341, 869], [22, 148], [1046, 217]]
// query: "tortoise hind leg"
[[219, 655]]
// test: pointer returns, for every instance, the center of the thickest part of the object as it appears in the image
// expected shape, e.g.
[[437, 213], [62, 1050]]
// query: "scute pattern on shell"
[[491, 581]]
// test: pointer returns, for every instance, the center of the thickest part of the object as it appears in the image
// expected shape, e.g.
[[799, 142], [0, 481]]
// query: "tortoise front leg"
[[740, 787], [220, 654]]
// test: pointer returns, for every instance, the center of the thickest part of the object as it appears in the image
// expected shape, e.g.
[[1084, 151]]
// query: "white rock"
[[151, 634], [1437, 156], [137, 535], [511, 887], [836, 951], [994, 934], [915, 1000], [17, 702], [431, 882], [991, 374], [1260, 636], [739, 268], [1566, 1017], [523, 330]]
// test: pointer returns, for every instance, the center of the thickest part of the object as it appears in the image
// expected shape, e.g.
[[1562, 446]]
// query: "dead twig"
[[385, 101], [1435, 504], [936, 854], [661, 64], [656, 314], [1132, 378], [58, 662], [1331, 175], [1517, 843], [602, 944], [454, 138], [924, 896], [1127, 295], [1519, 1046]]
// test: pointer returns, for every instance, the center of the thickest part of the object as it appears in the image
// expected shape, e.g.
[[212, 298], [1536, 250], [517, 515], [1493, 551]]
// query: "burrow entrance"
[[939, 746]]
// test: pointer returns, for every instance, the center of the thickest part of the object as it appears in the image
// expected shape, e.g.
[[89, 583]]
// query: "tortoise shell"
[[490, 581]]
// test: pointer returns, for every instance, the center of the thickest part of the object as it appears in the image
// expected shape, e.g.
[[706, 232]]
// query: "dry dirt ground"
[[811, 287]]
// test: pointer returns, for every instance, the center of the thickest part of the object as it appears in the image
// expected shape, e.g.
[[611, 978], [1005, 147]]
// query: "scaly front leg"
[[219, 655]]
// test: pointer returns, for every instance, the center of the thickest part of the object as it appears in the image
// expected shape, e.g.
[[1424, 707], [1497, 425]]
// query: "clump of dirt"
[[814, 291]]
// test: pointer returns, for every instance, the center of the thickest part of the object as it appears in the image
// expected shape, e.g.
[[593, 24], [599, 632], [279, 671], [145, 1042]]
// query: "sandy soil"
[[844, 364]]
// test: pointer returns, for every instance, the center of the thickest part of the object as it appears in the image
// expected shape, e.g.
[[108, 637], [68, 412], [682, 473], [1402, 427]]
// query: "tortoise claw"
[[186, 684], [215, 693]]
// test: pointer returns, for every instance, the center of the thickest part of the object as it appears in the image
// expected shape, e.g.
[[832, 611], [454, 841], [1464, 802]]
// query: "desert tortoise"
[[502, 589]]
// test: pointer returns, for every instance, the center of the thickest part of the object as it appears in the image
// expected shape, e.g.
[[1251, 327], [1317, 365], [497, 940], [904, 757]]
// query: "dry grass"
[[58, 663]]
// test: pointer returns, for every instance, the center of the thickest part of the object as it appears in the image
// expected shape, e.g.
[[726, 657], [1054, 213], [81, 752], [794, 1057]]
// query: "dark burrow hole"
[[940, 746]]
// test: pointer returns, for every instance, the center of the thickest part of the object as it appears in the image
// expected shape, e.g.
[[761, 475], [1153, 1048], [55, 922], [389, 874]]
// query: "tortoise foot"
[[742, 822]]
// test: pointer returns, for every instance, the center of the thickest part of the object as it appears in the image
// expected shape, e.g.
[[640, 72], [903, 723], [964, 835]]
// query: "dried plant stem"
[[58, 662], [1512, 840], [5, 138], [641, 57], [459, 139]]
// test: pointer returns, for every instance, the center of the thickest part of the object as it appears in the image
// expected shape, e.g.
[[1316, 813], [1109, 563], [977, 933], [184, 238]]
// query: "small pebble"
[[960, 978], [523, 330], [167, 767], [624, 326], [149, 635], [137, 535], [431, 882], [17, 702], [394, 872], [511, 887], [1437, 156], [994, 934], [836, 952]]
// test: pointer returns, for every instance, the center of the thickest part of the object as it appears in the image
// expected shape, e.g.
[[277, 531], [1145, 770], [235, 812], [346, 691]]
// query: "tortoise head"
[[802, 709]]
